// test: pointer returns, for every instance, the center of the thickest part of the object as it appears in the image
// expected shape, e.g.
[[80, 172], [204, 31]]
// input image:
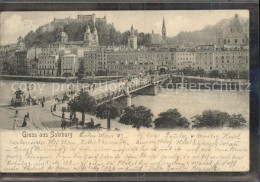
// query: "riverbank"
[[188, 103], [97, 79]]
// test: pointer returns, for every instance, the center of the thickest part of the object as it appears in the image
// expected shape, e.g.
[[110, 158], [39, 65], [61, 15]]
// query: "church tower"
[[163, 30], [219, 37], [95, 35], [132, 40], [87, 34]]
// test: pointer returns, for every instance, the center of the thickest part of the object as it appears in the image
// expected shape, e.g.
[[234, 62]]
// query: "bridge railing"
[[128, 87]]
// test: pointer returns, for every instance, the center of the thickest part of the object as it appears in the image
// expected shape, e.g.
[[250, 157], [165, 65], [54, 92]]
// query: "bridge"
[[142, 86]]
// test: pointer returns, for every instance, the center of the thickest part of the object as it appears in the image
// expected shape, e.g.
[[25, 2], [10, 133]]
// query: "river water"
[[189, 103]]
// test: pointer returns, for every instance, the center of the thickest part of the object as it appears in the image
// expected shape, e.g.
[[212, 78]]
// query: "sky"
[[15, 24]]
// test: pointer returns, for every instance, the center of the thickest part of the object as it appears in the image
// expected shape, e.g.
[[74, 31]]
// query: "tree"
[[109, 110], [187, 71], [143, 39], [81, 69], [200, 72], [125, 36], [214, 74], [244, 75], [237, 121], [218, 119], [137, 117], [171, 119], [83, 103], [67, 74], [231, 74], [210, 119]]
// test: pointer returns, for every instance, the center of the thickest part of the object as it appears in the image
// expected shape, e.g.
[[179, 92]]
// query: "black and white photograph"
[[124, 91], [122, 70]]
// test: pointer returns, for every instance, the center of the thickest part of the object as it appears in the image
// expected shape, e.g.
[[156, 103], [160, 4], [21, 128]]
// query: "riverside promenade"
[[41, 118]]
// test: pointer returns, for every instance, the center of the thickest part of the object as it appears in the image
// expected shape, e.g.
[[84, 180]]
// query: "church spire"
[[132, 31], [163, 30], [163, 23]]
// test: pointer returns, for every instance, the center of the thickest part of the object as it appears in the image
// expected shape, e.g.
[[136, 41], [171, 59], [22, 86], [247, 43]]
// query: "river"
[[189, 103]]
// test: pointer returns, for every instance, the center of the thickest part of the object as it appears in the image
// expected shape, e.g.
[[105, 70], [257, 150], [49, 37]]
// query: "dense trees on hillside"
[[40, 38], [107, 35]]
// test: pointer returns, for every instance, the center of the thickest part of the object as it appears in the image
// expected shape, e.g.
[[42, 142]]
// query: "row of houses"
[[62, 61], [71, 58]]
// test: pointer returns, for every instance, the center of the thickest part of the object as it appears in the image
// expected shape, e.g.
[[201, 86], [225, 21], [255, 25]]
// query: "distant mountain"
[[206, 35]]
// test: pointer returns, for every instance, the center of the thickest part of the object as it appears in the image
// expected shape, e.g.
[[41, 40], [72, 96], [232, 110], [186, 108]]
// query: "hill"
[[204, 36], [107, 34]]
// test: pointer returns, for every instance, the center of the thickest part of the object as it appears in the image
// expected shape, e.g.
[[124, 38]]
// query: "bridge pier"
[[128, 100], [125, 101]]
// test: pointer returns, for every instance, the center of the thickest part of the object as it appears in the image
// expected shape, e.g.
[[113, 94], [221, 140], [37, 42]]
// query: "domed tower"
[[20, 43], [235, 25], [132, 40], [163, 30], [236, 36], [63, 36], [87, 34], [95, 35]]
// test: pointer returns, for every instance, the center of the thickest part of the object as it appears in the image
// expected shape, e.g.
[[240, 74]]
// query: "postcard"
[[124, 91]]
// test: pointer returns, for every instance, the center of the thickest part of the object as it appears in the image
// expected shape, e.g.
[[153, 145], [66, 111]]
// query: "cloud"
[[16, 26]]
